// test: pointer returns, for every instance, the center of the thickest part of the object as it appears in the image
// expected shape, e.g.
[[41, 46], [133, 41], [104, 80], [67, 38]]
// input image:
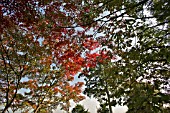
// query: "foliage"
[[40, 52], [44, 43], [79, 109], [103, 109], [139, 78]]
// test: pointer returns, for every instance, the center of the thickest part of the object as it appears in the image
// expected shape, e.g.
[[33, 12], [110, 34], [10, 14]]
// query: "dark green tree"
[[79, 109], [97, 86], [103, 109], [137, 31]]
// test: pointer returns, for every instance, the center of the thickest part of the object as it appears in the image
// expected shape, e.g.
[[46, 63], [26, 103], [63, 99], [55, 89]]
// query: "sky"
[[91, 104]]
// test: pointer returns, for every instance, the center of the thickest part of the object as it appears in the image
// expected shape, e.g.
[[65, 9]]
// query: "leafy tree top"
[[79, 109]]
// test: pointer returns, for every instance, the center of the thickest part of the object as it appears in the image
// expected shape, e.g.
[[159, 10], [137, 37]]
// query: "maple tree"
[[44, 43], [41, 51]]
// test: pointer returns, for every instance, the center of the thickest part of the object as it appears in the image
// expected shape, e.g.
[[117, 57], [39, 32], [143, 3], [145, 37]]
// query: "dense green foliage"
[[79, 109], [138, 33]]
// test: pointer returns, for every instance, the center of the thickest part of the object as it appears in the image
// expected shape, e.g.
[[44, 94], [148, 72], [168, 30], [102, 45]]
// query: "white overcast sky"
[[91, 105]]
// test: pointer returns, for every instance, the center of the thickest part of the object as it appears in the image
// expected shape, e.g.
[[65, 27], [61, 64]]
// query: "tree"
[[26, 65], [40, 52], [140, 78], [79, 109], [103, 109], [100, 89]]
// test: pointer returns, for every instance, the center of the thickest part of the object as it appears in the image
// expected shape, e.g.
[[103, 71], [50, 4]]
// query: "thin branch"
[[154, 47], [7, 99], [18, 82], [7, 92], [39, 105]]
